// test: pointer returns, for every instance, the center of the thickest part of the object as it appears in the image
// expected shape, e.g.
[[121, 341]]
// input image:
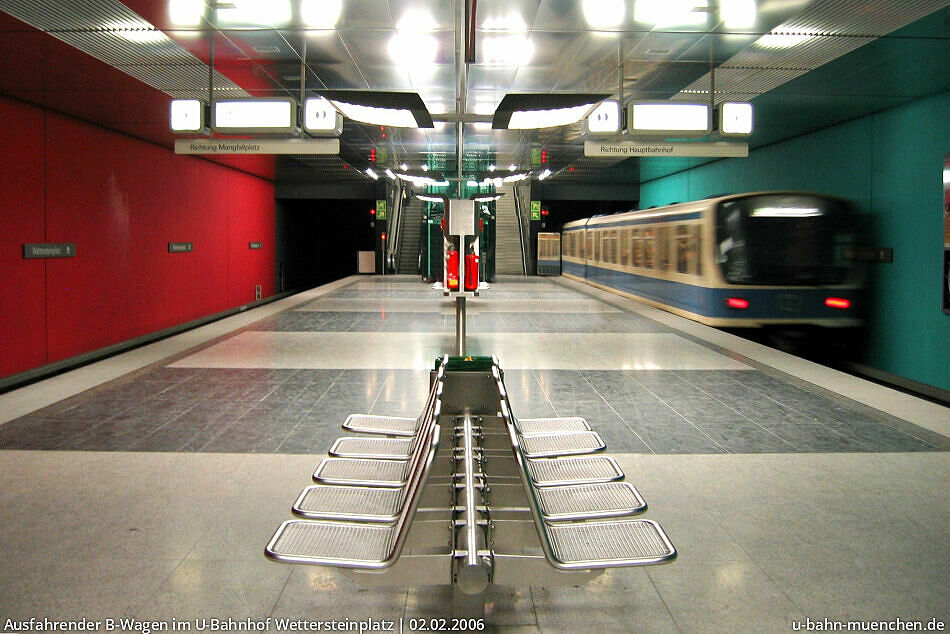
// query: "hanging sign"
[[718, 149], [257, 146]]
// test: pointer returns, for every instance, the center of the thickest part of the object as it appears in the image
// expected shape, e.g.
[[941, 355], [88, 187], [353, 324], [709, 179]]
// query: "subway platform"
[[145, 486]]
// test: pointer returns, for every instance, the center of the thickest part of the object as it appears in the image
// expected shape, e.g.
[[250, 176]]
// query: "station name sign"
[[257, 146], [49, 250], [718, 149], [180, 247]]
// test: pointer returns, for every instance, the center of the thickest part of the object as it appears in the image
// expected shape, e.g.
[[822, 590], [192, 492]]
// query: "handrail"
[[521, 230]]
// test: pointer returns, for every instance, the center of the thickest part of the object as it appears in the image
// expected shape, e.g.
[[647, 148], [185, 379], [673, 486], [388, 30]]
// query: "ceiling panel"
[[854, 63]]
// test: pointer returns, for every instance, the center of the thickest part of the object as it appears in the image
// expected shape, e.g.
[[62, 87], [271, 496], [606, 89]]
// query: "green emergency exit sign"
[[536, 210], [380, 209]]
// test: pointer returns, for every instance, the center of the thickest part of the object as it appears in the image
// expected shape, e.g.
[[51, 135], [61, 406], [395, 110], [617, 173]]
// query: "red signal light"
[[372, 155], [544, 156], [838, 302], [372, 212], [738, 303], [544, 212], [382, 236]]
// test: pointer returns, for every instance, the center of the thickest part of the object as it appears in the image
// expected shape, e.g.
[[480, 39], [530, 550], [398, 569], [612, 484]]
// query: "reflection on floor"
[[154, 494]]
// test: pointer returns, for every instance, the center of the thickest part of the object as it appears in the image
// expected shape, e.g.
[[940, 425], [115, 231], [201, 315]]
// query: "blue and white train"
[[739, 261]]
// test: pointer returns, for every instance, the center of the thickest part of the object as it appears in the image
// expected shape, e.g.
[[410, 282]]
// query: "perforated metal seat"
[[382, 448], [551, 425], [362, 472], [386, 425], [548, 472], [590, 501], [354, 503], [566, 444], [343, 544], [606, 544]]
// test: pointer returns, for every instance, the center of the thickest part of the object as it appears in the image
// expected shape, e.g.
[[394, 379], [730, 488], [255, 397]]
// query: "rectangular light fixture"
[[786, 212], [393, 109], [532, 111], [668, 118], [604, 119], [255, 115], [187, 115], [321, 118], [735, 119]]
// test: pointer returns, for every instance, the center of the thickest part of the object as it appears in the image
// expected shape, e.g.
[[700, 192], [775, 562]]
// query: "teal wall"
[[890, 164]]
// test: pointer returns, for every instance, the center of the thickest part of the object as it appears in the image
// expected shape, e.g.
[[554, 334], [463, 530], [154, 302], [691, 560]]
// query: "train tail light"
[[737, 303], [838, 302]]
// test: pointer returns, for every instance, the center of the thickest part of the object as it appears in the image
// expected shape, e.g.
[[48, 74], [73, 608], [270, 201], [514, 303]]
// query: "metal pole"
[[460, 325]]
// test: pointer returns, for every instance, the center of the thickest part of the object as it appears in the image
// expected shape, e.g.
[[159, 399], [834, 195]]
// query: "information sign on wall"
[[180, 247]]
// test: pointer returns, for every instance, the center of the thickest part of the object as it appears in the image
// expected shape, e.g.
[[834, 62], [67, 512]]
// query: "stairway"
[[410, 238], [508, 257]]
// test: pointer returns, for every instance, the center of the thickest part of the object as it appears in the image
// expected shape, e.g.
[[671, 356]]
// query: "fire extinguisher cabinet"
[[460, 249]]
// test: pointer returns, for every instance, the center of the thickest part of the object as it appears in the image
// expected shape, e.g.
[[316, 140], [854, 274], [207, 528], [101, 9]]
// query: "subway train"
[[779, 260]]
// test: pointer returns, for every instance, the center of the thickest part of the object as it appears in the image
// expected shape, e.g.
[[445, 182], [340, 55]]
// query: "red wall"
[[121, 201]]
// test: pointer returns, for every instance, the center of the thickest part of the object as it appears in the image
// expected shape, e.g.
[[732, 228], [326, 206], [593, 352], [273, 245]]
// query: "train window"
[[683, 263], [613, 247], [597, 246], [649, 248], [581, 244], [590, 245], [783, 239], [696, 251], [625, 247], [636, 245], [662, 249]]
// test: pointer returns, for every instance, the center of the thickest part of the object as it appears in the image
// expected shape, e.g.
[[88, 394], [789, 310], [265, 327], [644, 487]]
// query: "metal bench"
[[570, 519], [362, 527], [546, 468], [383, 425]]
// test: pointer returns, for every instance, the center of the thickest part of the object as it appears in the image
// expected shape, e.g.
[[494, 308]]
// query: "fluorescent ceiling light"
[[604, 119], [186, 12], [737, 14], [372, 174], [430, 199], [395, 109], [506, 50], [604, 14], [946, 177], [187, 115], [403, 166], [411, 51], [544, 174], [492, 167], [514, 178], [497, 182], [512, 23], [395, 118], [666, 13], [735, 118], [390, 174], [425, 167], [320, 14], [487, 198], [512, 167], [319, 116], [784, 40], [668, 118], [475, 183], [531, 119], [254, 115], [786, 212], [255, 13]]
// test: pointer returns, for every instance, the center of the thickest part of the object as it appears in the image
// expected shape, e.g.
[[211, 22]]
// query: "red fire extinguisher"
[[452, 268], [471, 271]]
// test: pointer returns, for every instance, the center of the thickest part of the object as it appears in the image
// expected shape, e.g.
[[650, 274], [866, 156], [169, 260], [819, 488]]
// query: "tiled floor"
[[785, 500]]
